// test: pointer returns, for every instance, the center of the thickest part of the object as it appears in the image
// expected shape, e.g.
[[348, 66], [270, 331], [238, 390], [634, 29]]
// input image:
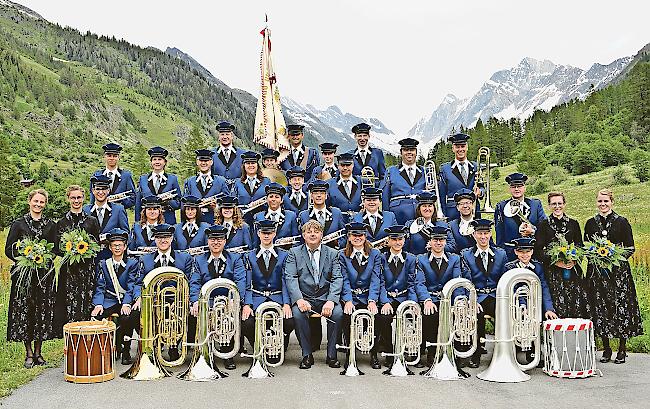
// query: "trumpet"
[[218, 326], [252, 205], [431, 185], [362, 337], [269, 341], [163, 323], [119, 196], [286, 241], [166, 196], [379, 243], [141, 251], [238, 249], [333, 236], [210, 200], [457, 322], [518, 320], [195, 251], [368, 178], [483, 178], [408, 337]]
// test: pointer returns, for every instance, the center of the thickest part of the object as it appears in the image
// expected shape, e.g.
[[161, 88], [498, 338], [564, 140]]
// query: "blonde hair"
[[606, 192], [74, 188], [39, 191], [311, 224], [551, 195]]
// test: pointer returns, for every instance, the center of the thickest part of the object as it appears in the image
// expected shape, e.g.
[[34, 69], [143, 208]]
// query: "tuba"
[[218, 326], [368, 178], [163, 323], [483, 178], [362, 337], [431, 185], [457, 323], [518, 320], [408, 337], [269, 341]]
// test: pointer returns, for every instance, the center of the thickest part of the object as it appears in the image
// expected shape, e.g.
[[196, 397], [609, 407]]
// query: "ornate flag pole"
[[270, 128]]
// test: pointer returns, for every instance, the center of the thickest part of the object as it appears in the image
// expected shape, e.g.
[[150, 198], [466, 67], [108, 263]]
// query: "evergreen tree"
[[140, 163], [195, 141], [531, 160], [43, 172], [9, 184]]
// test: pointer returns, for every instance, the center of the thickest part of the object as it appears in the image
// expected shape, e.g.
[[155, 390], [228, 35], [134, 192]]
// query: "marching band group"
[[336, 239]]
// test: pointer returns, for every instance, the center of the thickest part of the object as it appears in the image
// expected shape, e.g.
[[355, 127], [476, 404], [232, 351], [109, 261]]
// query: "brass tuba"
[[457, 322], [483, 178], [431, 185], [518, 320], [362, 337], [163, 323], [408, 337], [218, 325], [269, 341]]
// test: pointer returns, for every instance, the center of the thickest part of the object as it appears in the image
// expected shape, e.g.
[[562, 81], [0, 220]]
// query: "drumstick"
[[329, 320]]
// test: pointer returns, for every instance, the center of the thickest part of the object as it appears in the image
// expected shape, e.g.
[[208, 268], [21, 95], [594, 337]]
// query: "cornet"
[[408, 337], [362, 337], [165, 196], [163, 323], [483, 178], [210, 200], [254, 205], [457, 323], [518, 320], [218, 326], [431, 185], [269, 340], [119, 196]]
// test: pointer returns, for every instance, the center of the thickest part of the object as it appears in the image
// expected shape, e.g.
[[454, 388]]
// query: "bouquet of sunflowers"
[[78, 246], [604, 255], [565, 252], [33, 255]]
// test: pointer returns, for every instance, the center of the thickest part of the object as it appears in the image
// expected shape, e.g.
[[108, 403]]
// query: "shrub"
[[580, 182], [620, 177], [556, 174], [641, 165], [495, 173], [540, 186]]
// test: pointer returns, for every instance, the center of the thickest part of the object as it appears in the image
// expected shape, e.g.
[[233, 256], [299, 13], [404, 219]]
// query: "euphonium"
[[219, 324], [269, 340], [163, 323], [368, 177], [362, 337], [483, 178], [431, 185], [408, 337], [457, 323], [518, 320]]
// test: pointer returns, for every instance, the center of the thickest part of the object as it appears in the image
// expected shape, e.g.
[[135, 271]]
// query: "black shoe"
[[173, 354], [229, 364], [126, 357], [421, 364], [388, 362], [431, 353], [374, 361], [463, 373], [332, 362], [474, 361], [482, 350], [306, 362], [620, 357], [40, 361], [607, 355]]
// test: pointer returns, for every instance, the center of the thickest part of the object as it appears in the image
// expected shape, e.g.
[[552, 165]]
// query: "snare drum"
[[570, 349], [88, 351]]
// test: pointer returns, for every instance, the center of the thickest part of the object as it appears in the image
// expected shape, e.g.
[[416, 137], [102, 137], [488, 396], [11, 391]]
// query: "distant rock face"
[[24, 10], [516, 93]]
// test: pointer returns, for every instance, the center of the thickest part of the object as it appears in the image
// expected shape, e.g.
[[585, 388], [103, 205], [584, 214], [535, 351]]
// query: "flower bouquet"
[[604, 255], [565, 252], [78, 246], [33, 255]]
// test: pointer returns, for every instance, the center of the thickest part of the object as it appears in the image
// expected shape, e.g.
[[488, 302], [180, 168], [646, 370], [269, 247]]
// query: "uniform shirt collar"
[[444, 257], [325, 210], [399, 256], [377, 215], [478, 251], [298, 192], [118, 263], [163, 177], [271, 249], [230, 149], [116, 172], [168, 253], [359, 150], [300, 149], [530, 265], [188, 224], [351, 179], [221, 257], [406, 167], [105, 206]]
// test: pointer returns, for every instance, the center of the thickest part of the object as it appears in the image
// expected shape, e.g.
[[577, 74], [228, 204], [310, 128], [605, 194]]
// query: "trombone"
[[431, 185], [269, 341], [483, 178], [362, 337], [408, 337]]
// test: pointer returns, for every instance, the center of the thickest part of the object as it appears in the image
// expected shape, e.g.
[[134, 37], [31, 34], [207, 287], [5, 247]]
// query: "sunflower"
[[603, 251], [563, 249], [68, 246], [82, 247], [28, 250], [38, 259]]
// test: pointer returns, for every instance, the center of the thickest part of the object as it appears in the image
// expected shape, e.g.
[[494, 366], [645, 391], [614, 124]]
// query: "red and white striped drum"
[[570, 348], [89, 356]]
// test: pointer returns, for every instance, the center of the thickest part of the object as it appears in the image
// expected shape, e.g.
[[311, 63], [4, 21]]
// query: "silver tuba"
[[483, 178], [269, 340], [431, 185], [362, 337], [218, 326], [518, 320], [408, 337], [457, 322]]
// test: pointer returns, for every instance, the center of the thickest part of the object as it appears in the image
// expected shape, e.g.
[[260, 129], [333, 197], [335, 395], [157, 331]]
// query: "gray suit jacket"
[[299, 279]]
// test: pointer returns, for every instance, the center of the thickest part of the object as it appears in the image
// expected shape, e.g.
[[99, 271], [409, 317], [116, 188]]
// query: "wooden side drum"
[[89, 347]]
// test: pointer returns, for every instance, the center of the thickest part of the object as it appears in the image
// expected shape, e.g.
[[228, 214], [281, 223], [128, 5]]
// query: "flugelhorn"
[[219, 325], [254, 205], [408, 337], [165, 196], [518, 320], [362, 337], [163, 323], [431, 185], [141, 251], [456, 323], [268, 350], [483, 178], [117, 197]]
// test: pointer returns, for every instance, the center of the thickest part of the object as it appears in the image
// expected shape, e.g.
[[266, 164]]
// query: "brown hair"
[[39, 191], [237, 218], [556, 194], [348, 248], [74, 188], [260, 176], [143, 216], [418, 213], [606, 192]]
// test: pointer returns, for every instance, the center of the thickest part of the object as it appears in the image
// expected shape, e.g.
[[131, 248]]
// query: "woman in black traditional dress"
[[31, 310], [615, 306], [76, 281], [568, 287]]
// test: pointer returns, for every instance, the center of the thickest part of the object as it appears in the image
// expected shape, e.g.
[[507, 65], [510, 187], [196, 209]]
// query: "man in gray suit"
[[313, 278]]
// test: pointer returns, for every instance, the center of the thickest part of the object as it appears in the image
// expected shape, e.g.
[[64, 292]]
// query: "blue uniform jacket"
[[294, 206], [288, 226], [309, 163], [146, 188], [230, 170], [368, 282], [217, 186], [139, 238], [333, 222], [507, 228], [334, 173], [233, 270], [484, 281], [123, 183], [337, 197], [375, 160], [245, 196], [547, 301], [401, 286], [398, 195], [450, 181], [265, 285], [105, 294], [387, 220], [183, 241], [417, 243], [239, 237], [430, 280]]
